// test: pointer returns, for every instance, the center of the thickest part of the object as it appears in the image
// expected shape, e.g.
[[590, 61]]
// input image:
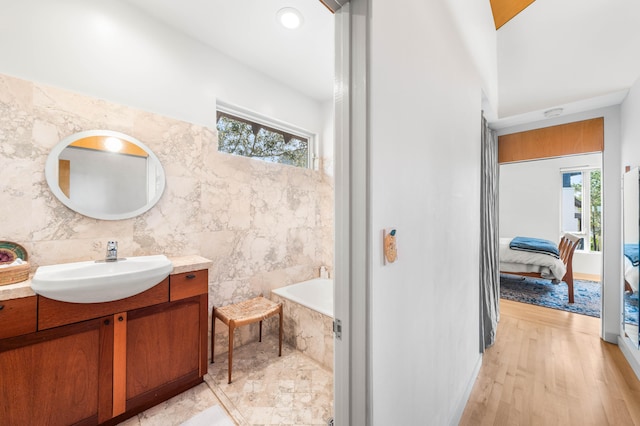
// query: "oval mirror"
[[105, 175]]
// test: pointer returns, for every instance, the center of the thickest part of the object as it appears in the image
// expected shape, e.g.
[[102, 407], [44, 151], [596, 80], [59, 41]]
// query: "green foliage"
[[241, 138], [590, 187], [596, 209]]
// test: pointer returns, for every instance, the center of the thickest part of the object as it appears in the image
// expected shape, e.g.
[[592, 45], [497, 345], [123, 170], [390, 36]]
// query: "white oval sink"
[[93, 282]]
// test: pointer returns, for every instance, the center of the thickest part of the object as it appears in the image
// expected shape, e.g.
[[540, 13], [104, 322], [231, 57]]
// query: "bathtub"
[[308, 318], [316, 294]]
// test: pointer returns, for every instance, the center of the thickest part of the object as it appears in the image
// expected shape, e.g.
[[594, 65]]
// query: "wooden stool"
[[243, 313]]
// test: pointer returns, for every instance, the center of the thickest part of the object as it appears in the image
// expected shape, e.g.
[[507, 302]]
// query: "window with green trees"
[[240, 136], [582, 206]]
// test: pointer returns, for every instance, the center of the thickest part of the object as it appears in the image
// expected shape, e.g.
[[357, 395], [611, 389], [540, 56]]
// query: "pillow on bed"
[[535, 245]]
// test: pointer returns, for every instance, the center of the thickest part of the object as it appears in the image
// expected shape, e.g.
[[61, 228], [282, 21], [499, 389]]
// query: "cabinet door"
[[163, 349], [18, 316], [57, 377]]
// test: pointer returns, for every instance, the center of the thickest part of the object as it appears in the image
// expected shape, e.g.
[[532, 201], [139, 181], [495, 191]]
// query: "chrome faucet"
[[112, 251]]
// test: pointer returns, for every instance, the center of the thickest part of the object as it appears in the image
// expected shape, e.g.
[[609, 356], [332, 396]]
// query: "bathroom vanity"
[[67, 363]]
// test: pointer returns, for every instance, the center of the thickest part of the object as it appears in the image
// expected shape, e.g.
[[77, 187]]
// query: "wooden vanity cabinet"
[[18, 316], [166, 344], [104, 370], [56, 377], [162, 349]]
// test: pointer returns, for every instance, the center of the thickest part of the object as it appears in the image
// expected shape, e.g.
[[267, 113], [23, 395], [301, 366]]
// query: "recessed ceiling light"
[[553, 112], [289, 18]]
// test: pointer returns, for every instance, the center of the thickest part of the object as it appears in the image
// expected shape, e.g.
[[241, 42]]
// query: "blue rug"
[[541, 292]]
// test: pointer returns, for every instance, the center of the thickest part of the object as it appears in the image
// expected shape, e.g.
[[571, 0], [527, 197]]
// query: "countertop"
[[181, 264]]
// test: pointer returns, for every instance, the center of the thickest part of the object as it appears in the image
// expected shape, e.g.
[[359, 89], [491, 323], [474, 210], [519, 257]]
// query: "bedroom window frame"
[[262, 123], [586, 203]]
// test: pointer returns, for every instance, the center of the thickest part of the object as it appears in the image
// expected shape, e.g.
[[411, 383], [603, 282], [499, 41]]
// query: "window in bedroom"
[[242, 134], [582, 207]]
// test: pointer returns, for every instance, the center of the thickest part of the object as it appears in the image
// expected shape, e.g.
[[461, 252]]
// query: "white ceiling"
[[580, 54], [247, 31], [559, 52]]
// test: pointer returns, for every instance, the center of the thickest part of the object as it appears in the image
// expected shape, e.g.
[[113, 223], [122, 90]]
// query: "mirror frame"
[[51, 175], [631, 176]]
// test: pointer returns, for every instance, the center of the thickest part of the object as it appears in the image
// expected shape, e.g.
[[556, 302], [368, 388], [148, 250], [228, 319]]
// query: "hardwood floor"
[[550, 367]]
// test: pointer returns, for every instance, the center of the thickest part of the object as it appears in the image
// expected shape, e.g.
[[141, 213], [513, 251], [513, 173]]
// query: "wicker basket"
[[14, 274]]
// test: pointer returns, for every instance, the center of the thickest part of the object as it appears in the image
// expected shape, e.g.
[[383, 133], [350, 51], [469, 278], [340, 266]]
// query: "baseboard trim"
[[611, 337], [631, 354], [588, 277], [467, 393]]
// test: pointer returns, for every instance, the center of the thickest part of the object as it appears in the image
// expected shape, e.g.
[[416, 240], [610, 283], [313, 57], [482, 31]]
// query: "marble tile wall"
[[263, 225]]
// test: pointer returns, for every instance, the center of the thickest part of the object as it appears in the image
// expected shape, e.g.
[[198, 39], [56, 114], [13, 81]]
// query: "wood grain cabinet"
[[167, 336], [18, 316], [57, 377], [103, 370]]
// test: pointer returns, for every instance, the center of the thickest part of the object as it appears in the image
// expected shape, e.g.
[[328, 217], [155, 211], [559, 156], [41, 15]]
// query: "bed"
[[541, 265]]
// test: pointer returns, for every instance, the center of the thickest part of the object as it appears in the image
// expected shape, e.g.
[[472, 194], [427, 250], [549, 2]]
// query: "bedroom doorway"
[[551, 185], [546, 199]]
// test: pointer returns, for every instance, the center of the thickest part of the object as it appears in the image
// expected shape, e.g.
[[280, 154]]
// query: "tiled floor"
[[271, 390], [177, 409], [266, 390]]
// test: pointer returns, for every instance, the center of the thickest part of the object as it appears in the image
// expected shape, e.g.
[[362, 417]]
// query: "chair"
[[243, 313]]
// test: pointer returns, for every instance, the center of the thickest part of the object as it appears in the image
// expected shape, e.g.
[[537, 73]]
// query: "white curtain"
[[489, 260]]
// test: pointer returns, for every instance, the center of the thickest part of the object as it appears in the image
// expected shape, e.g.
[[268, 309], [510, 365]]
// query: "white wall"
[[325, 148], [424, 123], [611, 202], [530, 202], [630, 124], [110, 50], [474, 22]]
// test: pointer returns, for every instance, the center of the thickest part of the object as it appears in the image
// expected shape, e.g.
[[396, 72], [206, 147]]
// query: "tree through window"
[[582, 206], [244, 137]]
